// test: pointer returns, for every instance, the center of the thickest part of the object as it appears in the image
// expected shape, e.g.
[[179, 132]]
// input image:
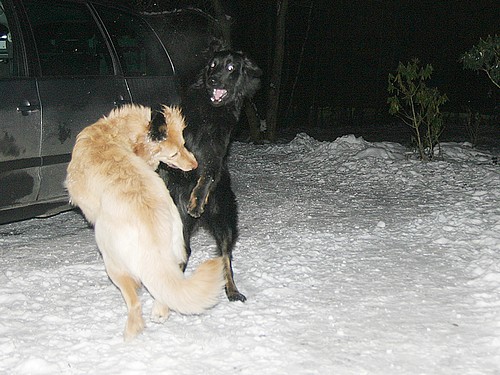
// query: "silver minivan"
[[64, 64]]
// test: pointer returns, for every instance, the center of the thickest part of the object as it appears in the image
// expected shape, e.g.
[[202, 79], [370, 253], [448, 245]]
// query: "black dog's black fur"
[[204, 197]]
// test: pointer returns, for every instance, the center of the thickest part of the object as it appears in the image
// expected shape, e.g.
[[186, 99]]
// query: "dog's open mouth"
[[218, 95], [171, 165]]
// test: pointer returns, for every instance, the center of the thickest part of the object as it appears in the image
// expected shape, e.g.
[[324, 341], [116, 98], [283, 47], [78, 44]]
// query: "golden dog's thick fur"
[[138, 230]]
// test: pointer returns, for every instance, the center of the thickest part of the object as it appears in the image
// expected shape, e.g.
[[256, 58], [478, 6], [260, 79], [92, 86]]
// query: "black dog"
[[204, 197]]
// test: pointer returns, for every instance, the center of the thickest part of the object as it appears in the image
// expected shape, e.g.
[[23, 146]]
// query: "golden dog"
[[138, 230]]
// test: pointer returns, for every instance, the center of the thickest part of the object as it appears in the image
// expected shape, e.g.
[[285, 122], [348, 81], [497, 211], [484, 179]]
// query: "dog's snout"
[[212, 81]]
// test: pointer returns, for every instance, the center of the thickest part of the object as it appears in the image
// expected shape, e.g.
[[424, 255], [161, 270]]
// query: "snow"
[[355, 258]]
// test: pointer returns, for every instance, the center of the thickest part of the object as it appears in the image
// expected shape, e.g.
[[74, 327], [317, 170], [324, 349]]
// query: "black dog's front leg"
[[199, 195]]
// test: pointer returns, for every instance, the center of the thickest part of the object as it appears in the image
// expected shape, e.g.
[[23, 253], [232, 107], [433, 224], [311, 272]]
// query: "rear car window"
[[7, 66], [68, 40], [138, 48]]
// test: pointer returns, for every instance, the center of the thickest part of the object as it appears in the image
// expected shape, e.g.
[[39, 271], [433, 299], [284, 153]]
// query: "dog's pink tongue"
[[219, 93]]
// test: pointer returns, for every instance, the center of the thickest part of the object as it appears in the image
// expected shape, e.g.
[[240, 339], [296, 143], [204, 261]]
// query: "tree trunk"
[[300, 60], [275, 80], [225, 24]]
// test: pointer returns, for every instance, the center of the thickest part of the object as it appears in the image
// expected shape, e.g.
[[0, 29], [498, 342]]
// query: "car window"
[[68, 39], [139, 50], [6, 56]]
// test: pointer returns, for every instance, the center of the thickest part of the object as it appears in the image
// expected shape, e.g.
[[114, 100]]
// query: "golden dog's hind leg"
[[128, 286]]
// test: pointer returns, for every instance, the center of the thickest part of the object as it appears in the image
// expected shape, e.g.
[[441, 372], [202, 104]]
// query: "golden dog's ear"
[[174, 119], [157, 126], [168, 115]]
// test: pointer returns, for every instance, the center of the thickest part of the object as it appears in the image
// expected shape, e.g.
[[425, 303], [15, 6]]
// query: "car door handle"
[[27, 108], [121, 101]]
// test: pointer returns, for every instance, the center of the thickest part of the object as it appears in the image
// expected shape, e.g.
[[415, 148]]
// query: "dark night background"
[[338, 54]]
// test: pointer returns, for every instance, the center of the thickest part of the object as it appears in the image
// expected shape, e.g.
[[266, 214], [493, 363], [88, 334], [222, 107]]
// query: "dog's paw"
[[159, 313], [195, 208], [199, 196], [134, 327], [235, 296]]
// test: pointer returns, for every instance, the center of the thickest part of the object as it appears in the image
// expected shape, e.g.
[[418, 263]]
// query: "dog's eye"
[[212, 64], [174, 154], [230, 67]]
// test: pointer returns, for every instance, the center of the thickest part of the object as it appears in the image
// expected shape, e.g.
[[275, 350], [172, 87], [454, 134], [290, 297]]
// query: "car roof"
[[113, 3]]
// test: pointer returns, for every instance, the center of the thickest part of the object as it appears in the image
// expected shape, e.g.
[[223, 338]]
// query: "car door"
[[20, 128], [145, 63], [78, 82]]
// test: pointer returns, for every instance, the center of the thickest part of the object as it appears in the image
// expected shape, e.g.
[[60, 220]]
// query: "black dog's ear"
[[251, 68], [251, 78], [157, 129], [217, 45]]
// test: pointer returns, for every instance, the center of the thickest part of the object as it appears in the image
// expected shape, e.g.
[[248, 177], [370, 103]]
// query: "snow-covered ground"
[[354, 258]]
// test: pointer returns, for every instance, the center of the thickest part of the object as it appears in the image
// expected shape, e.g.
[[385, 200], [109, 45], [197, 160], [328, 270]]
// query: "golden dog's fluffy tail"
[[187, 295]]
